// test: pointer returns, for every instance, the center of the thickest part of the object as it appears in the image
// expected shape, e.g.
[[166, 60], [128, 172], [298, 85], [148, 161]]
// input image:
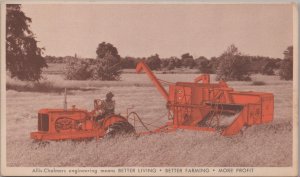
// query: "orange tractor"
[[196, 106], [79, 124]]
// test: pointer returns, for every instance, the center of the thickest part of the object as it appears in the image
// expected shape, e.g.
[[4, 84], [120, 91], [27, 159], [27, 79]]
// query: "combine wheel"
[[119, 128]]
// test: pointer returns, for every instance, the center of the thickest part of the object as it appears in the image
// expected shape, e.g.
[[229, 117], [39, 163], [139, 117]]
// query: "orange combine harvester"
[[198, 105]]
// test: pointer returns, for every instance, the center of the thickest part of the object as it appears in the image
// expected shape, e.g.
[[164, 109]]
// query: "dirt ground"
[[268, 145]]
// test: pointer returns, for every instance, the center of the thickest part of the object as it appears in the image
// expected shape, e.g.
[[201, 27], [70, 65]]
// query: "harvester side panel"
[[245, 98], [261, 105], [267, 108], [182, 103], [254, 114], [199, 94]]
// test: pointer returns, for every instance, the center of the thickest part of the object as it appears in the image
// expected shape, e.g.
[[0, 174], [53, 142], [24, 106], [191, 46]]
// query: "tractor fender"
[[111, 119]]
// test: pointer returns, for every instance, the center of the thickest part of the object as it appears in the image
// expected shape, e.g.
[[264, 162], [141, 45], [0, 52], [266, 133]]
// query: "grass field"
[[264, 145]]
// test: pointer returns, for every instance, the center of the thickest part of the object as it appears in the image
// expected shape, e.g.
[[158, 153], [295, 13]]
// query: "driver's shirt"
[[109, 107]]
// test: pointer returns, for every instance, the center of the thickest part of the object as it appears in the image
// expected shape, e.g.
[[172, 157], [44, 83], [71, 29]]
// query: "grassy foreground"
[[263, 145]]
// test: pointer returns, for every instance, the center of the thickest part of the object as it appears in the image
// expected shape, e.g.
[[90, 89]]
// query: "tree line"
[[255, 64], [24, 58], [231, 65]]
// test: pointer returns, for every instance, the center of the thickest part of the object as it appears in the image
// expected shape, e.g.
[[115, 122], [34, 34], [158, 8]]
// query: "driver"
[[106, 107], [109, 104]]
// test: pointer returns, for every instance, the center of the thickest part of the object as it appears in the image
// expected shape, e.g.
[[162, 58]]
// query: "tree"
[[187, 60], [177, 62], [268, 67], [153, 62], [288, 53], [108, 64], [286, 67], [106, 68], [105, 49], [78, 69], [203, 64], [53, 59], [23, 57], [232, 65], [128, 63], [214, 62], [171, 63], [164, 63]]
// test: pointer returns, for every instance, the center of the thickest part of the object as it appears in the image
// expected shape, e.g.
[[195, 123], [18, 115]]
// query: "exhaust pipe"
[[65, 100]]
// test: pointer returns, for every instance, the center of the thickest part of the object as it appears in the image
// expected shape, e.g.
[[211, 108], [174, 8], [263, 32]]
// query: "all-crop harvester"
[[199, 105], [205, 106]]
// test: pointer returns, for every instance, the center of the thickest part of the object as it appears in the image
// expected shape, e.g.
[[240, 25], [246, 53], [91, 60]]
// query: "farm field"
[[268, 145]]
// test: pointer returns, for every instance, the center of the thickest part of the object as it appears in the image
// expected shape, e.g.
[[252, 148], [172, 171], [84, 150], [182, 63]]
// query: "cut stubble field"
[[259, 146]]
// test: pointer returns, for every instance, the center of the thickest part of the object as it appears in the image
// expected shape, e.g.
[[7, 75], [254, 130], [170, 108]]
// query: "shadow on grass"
[[258, 83], [45, 87]]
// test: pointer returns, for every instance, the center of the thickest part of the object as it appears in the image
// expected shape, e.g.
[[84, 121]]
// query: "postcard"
[[141, 88]]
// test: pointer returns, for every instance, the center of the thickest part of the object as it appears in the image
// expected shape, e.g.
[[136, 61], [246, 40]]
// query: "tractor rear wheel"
[[119, 128]]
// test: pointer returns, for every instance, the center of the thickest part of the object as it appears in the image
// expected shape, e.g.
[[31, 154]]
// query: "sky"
[[142, 30]]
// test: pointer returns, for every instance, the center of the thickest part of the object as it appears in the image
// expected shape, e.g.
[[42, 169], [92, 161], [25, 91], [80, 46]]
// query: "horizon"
[[142, 30]]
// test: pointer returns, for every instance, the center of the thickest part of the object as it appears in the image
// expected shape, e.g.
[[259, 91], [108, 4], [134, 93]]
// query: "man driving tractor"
[[105, 107]]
